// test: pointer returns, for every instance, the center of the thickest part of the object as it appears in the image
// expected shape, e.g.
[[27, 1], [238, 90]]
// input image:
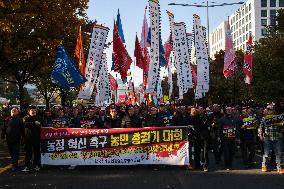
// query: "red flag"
[[144, 35], [143, 45], [230, 57], [145, 66], [248, 61], [168, 46], [138, 54], [113, 83], [121, 58], [194, 77], [79, 54]]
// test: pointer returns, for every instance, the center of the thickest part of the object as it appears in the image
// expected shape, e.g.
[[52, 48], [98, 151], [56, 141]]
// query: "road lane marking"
[[6, 168]]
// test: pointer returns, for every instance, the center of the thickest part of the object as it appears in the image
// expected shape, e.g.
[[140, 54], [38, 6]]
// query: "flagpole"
[[234, 90], [234, 79]]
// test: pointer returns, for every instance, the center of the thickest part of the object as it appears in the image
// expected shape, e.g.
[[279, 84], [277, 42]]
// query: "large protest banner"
[[125, 146]]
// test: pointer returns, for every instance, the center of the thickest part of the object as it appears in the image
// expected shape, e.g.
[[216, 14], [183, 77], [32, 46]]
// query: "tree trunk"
[[46, 98], [21, 95], [47, 103], [63, 97]]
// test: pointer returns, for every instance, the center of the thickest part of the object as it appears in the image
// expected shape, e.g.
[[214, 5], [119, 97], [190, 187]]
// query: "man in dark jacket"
[[113, 120], [130, 120], [229, 133], [32, 139], [165, 115], [216, 144], [181, 118], [200, 123], [153, 120], [13, 132], [248, 133]]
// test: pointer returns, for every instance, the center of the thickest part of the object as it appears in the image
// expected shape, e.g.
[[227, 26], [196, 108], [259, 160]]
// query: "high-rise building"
[[217, 38], [253, 16]]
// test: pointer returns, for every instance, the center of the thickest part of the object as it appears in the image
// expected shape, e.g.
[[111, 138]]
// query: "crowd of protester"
[[213, 128]]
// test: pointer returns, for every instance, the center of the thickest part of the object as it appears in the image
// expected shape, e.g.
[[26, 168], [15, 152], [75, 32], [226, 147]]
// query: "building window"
[[247, 27], [249, 7], [250, 25], [263, 22], [272, 3], [246, 18], [272, 22], [272, 17], [243, 12], [272, 13], [263, 31], [263, 3], [263, 13], [246, 9], [249, 16], [281, 3], [243, 21]]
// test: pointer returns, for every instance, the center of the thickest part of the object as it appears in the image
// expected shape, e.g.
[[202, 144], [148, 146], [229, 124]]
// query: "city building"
[[252, 16], [217, 39]]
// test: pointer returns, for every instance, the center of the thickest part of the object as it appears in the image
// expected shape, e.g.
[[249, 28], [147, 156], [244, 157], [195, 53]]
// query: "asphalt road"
[[138, 177]]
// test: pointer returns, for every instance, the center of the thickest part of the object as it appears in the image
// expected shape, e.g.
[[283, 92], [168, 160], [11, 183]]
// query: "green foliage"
[[268, 69], [232, 89]]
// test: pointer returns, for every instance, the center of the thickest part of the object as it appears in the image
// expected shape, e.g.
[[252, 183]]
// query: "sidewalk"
[[5, 163]]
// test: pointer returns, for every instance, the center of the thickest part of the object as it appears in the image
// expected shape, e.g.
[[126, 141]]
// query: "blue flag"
[[149, 36], [64, 73], [161, 49], [119, 27], [162, 59]]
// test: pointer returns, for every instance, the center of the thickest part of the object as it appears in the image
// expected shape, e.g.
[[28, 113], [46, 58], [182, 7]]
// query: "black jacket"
[[113, 123], [200, 125], [13, 129], [131, 122], [229, 127], [32, 131], [151, 121], [181, 119]]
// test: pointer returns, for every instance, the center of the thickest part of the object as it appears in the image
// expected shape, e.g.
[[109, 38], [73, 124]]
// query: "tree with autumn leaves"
[[30, 32]]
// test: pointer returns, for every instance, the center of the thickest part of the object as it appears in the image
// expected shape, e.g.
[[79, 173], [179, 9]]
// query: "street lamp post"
[[207, 6]]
